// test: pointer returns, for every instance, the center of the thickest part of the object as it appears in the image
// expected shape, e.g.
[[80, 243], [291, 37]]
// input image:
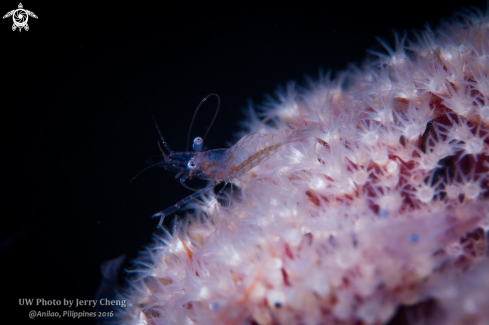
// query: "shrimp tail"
[[301, 134]]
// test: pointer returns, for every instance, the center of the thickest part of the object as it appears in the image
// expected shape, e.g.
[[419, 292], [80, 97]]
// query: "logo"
[[20, 17]]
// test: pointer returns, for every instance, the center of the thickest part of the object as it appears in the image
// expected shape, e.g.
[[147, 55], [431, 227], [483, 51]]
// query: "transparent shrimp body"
[[222, 165], [249, 151]]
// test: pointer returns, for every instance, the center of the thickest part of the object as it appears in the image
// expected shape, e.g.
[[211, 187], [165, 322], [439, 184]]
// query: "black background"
[[76, 127]]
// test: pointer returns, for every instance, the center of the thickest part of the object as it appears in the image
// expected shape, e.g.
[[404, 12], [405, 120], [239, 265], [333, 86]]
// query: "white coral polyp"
[[360, 217]]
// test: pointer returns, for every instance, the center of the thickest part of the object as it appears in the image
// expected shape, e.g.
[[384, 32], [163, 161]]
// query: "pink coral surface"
[[384, 205]]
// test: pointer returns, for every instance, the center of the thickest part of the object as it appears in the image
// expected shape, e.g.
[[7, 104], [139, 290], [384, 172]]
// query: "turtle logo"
[[20, 17]]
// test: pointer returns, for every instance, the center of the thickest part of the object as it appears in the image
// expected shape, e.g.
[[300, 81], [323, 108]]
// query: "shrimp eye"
[[191, 164]]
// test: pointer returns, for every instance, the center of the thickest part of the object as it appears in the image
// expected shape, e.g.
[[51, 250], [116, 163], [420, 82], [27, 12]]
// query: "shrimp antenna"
[[154, 165], [158, 163], [167, 147], [195, 114]]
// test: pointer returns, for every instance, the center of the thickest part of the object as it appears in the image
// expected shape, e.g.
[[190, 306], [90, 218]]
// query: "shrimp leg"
[[179, 204]]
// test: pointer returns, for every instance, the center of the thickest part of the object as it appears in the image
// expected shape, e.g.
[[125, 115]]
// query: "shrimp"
[[220, 165], [223, 165]]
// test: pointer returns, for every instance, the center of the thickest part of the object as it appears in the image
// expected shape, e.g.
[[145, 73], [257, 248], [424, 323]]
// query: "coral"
[[384, 205]]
